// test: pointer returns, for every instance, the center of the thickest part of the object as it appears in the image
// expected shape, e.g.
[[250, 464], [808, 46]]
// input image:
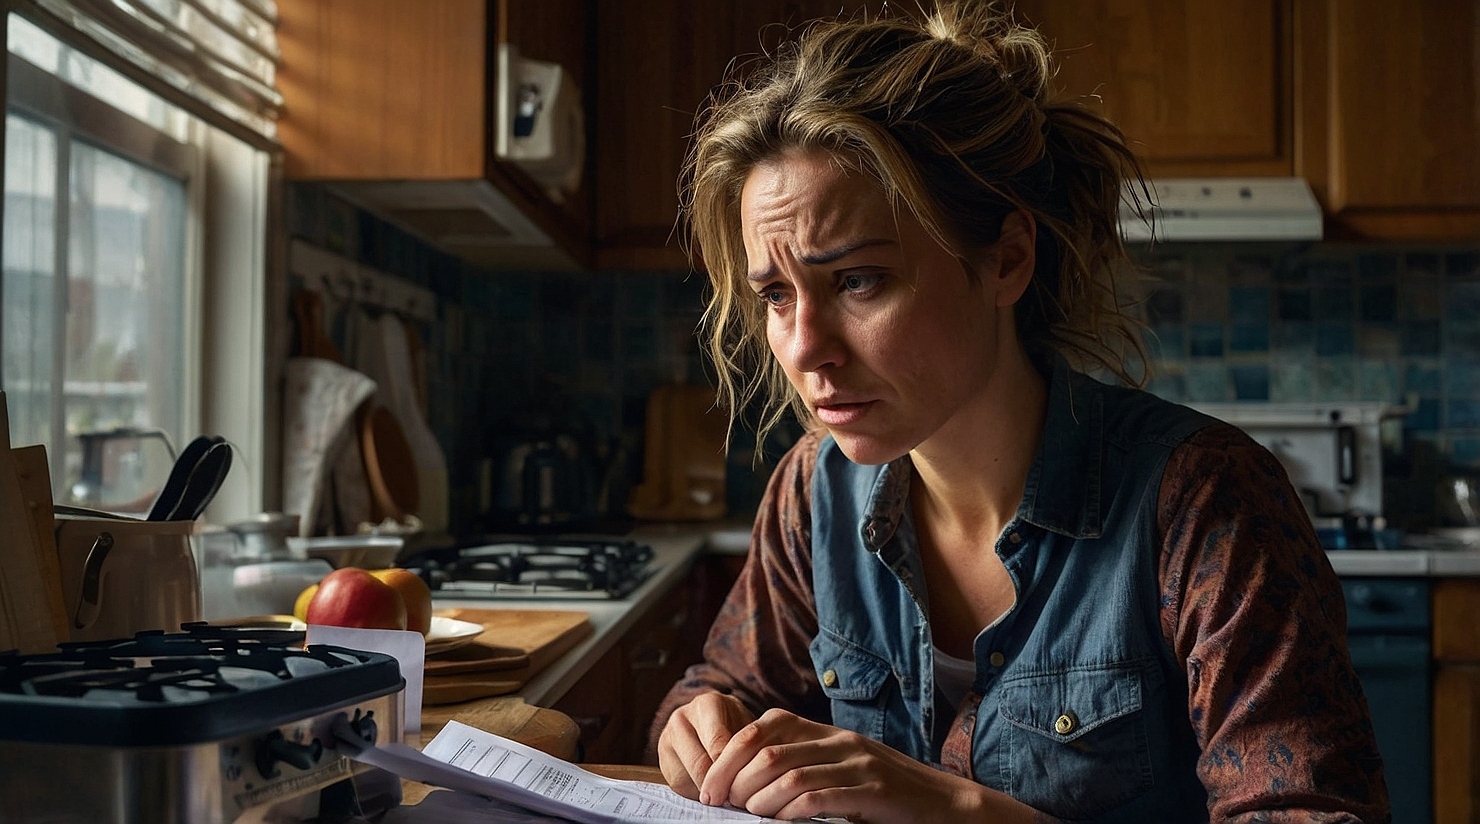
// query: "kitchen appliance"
[[1333, 456], [542, 566], [1243, 208], [1388, 624], [122, 575], [547, 482], [207, 726]]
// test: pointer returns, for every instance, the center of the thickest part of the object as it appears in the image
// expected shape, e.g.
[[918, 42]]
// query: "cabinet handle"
[[650, 660], [591, 725]]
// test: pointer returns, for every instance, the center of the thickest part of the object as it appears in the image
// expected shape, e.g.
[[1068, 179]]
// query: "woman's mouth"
[[841, 414]]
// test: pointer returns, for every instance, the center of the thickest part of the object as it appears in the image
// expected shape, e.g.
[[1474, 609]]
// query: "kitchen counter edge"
[[674, 551]]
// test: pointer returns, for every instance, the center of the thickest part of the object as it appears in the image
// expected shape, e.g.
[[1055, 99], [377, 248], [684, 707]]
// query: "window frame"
[[70, 113], [233, 247]]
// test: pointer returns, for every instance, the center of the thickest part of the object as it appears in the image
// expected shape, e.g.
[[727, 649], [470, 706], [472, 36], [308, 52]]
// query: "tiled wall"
[[1252, 322], [1280, 323], [1229, 321], [515, 352]]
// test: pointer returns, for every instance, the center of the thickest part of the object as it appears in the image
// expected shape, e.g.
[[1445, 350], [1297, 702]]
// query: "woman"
[[984, 586]]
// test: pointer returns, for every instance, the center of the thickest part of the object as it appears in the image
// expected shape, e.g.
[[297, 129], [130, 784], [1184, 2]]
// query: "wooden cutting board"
[[540, 636]]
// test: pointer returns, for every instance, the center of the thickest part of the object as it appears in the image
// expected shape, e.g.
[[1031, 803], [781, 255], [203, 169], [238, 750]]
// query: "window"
[[104, 246]]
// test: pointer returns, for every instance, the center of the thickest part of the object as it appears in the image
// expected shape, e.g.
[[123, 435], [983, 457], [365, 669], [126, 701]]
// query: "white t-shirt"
[[953, 676]]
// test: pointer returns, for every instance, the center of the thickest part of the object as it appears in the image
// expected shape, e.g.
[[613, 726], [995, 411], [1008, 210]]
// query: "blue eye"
[[774, 297], [859, 282]]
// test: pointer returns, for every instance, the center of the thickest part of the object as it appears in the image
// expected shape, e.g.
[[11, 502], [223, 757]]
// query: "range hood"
[[1224, 208]]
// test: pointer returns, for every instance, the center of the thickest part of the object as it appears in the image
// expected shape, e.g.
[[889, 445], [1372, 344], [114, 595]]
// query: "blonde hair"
[[949, 114]]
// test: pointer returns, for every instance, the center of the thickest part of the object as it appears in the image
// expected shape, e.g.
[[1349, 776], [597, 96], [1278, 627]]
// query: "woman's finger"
[[682, 758], [775, 726], [694, 736]]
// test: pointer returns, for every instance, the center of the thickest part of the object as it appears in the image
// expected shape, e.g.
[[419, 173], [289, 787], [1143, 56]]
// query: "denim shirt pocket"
[[1077, 739], [855, 682]]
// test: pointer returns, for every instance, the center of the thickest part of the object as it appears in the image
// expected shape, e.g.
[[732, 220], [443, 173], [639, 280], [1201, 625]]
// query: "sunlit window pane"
[[29, 286], [125, 303]]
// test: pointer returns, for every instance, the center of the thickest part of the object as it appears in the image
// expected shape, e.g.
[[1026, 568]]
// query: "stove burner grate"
[[539, 567], [204, 683]]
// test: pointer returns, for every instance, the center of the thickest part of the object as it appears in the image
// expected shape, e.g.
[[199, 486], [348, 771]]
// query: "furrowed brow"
[[821, 258]]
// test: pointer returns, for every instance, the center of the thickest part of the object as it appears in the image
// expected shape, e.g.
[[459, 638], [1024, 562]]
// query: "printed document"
[[475, 761]]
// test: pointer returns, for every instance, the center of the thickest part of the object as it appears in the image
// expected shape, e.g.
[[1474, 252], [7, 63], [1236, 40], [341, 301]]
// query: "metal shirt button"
[[997, 659], [1015, 538], [1065, 724], [830, 678]]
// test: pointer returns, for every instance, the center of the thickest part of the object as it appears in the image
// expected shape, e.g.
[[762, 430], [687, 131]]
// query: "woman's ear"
[[1016, 257]]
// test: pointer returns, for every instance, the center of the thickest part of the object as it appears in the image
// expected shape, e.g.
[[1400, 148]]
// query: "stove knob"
[[365, 726], [275, 748]]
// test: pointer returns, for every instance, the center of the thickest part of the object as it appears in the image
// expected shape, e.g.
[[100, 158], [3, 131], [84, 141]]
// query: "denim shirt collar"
[[1062, 492]]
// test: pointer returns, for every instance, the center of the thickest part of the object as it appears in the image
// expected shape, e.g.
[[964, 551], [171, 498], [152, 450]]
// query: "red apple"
[[352, 597]]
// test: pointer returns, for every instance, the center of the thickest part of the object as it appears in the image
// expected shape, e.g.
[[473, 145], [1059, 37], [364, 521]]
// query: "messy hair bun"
[[951, 115]]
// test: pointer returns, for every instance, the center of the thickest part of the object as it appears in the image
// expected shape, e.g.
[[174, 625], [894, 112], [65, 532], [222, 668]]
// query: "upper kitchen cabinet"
[[1200, 89], [657, 62], [1388, 125], [396, 103]]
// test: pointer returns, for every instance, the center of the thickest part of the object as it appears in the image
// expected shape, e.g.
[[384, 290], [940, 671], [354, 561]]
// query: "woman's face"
[[876, 325]]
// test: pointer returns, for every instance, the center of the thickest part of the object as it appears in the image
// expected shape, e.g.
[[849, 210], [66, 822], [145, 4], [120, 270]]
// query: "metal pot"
[[121, 576]]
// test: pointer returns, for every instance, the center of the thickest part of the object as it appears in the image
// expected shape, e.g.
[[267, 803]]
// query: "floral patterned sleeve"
[[1251, 605], [757, 649]]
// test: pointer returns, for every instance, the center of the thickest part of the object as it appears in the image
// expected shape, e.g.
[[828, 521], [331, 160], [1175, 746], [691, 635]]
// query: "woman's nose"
[[813, 342]]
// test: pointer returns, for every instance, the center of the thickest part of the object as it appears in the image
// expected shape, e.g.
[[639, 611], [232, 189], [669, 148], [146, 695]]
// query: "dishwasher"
[[1388, 632]]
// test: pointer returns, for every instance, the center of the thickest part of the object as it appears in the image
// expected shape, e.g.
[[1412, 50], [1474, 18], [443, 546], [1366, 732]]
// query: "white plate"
[[450, 633]]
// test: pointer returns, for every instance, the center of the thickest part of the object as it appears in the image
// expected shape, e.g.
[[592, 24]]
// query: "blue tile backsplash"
[[1225, 322]]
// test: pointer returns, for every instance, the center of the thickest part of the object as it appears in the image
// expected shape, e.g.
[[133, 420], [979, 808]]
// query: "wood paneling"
[[1456, 608], [360, 104], [657, 62], [1388, 126], [1456, 644], [1199, 88], [1457, 744]]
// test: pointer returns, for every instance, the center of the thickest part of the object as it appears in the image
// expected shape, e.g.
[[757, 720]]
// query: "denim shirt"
[[1082, 707]]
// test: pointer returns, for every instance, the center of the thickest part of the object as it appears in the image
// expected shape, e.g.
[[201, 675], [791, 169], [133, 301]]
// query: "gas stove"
[[207, 725], [581, 567]]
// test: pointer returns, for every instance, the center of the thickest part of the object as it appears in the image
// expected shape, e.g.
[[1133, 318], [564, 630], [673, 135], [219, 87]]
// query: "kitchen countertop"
[[675, 548], [733, 538], [1425, 562], [674, 551]]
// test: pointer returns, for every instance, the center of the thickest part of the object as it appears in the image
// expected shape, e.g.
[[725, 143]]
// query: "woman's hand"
[[784, 766], [695, 735]]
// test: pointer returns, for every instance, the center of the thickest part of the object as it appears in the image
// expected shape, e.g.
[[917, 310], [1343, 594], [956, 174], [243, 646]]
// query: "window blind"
[[216, 58]]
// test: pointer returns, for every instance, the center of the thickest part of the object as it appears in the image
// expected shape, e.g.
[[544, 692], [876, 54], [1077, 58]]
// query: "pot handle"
[[92, 579]]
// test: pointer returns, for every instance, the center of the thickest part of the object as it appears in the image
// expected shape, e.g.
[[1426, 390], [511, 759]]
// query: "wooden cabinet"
[[1456, 615], [657, 61], [1376, 104], [1388, 120], [1200, 89], [387, 91]]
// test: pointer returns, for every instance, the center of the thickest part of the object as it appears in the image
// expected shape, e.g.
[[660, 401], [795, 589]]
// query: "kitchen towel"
[[319, 402]]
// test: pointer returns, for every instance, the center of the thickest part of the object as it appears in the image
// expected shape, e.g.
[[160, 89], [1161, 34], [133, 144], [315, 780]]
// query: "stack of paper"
[[503, 780]]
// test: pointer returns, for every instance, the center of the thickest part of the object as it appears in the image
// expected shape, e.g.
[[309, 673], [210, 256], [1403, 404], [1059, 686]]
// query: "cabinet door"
[[1200, 89], [383, 89], [1457, 744], [1390, 125], [657, 61]]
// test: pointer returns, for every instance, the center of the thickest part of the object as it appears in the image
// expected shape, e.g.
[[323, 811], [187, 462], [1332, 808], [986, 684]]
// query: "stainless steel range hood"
[[1226, 208]]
